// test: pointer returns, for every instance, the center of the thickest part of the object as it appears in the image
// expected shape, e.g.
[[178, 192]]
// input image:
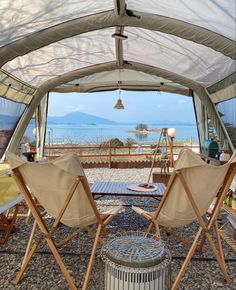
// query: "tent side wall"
[[41, 119]]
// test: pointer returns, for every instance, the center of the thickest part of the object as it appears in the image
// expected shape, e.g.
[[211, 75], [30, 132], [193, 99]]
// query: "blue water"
[[94, 134]]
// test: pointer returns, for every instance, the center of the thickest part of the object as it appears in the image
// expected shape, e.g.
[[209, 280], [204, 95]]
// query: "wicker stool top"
[[134, 250]]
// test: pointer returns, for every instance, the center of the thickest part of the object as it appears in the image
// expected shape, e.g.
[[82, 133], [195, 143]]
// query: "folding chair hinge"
[[48, 236], [37, 240]]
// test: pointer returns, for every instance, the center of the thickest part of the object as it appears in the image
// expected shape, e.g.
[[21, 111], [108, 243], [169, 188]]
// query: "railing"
[[109, 154]]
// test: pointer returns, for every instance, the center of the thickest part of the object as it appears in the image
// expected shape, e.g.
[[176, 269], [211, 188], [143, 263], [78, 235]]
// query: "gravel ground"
[[43, 272]]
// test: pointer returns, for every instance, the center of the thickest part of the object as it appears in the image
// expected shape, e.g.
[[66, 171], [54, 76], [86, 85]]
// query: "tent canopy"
[[85, 46]]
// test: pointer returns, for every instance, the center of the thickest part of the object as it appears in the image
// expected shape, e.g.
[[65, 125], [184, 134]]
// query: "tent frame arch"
[[50, 84]]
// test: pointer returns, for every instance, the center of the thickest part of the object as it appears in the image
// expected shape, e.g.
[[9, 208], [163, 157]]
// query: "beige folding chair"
[[191, 189], [10, 198], [61, 188]]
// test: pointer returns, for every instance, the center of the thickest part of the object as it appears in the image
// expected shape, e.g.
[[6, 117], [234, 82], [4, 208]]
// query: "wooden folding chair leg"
[[57, 258], [218, 258], [9, 225], [187, 260], [27, 216], [179, 238], [42, 226], [30, 241], [59, 261], [149, 228], [68, 238], [89, 268], [221, 253], [158, 232], [202, 243], [26, 262], [105, 233]]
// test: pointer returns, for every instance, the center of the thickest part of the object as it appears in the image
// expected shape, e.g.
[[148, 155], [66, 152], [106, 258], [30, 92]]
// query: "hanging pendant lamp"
[[119, 105]]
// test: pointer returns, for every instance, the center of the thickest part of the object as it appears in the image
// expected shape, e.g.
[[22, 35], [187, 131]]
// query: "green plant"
[[129, 142], [116, 142]]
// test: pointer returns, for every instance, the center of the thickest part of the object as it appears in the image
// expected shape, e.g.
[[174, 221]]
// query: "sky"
[[139, 106]]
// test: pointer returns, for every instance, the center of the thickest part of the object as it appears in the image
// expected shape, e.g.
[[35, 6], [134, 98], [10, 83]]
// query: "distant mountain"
[[79, 118], [7, 120]]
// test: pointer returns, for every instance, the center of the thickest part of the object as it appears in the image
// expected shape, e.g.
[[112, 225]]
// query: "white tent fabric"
[[189, 59], [107, 80], [43, 47], [218, 16], [224, 94], [126, 75], [21, 18], [74, 53], [49, 45]]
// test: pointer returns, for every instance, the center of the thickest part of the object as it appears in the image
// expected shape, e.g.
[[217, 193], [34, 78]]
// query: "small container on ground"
[[133, 261]]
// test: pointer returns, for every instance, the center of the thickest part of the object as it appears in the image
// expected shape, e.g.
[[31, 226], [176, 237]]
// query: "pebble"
[[44, 274]]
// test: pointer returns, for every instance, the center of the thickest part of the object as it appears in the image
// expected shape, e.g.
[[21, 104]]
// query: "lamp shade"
[[119, 105], [35, 132], [171, 132]]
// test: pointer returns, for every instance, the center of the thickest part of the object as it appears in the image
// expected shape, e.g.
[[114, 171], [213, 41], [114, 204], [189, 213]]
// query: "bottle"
[[233, 201], [228, 200], [217, 156], [224, 157]]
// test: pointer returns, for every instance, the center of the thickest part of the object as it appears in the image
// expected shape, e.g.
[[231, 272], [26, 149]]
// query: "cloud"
[[80, 108], [181, 102]]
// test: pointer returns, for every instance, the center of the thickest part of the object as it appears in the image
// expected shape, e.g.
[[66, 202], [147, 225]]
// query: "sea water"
[[95, 134]]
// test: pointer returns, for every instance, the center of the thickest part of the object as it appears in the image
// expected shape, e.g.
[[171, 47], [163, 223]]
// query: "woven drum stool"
[[133, 261]]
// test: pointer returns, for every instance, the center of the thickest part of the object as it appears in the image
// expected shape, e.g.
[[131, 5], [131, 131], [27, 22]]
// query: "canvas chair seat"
[[62, 172], [10, 197], [61, 188], [204, 181], [192, 188]]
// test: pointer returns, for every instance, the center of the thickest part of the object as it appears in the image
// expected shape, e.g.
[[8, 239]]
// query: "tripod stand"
[[162, 143]]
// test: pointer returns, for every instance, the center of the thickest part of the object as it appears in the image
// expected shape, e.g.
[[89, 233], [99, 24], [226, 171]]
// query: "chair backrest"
[[204, 181], [50, 183]]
